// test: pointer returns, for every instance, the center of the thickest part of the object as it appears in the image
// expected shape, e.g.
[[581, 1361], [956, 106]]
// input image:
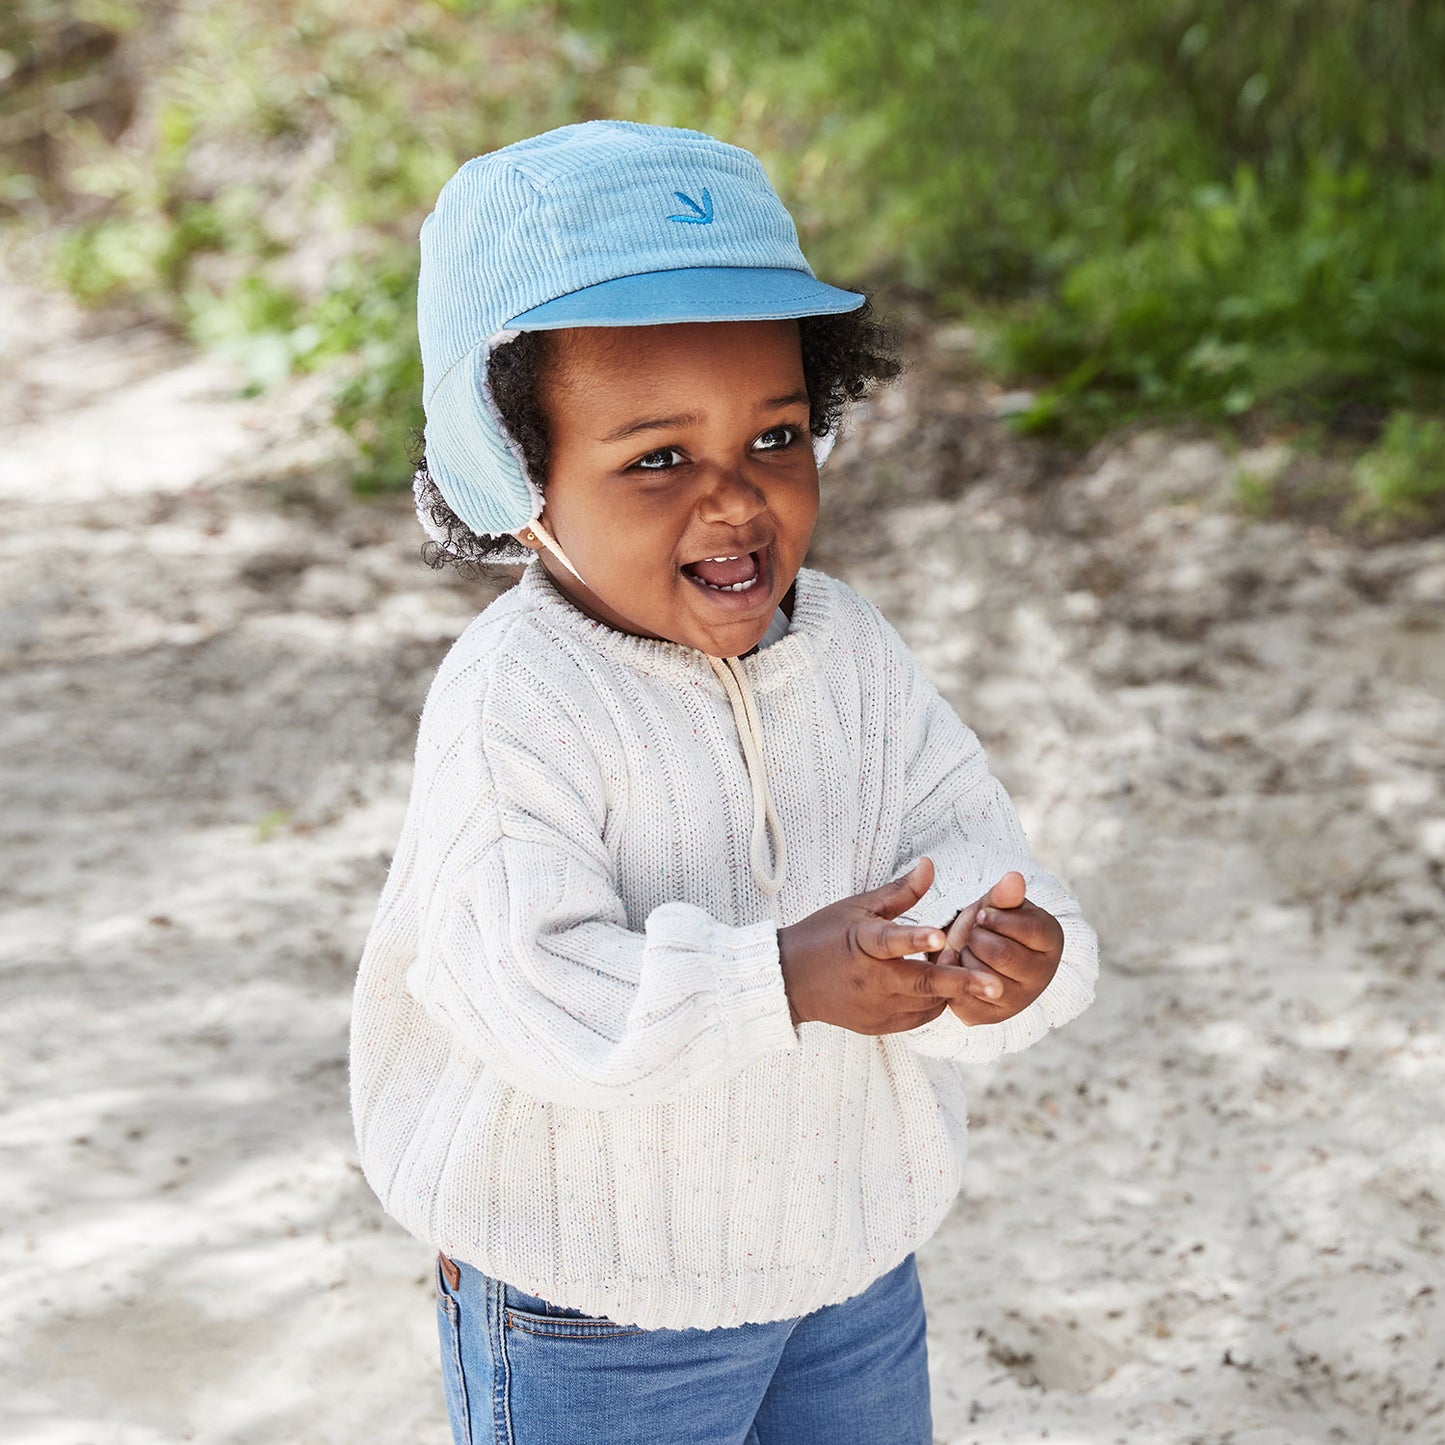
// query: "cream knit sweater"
[[572, 1059]]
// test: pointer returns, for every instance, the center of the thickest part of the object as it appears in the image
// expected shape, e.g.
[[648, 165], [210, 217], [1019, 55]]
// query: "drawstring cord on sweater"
[[745, 715], [765, 818]]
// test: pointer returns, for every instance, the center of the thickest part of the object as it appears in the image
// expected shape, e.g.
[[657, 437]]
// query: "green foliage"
[[268, 192], [372, 320], [1254, 493], [1147, 206], [1402, 477], [1162, 206], [268, 825], [1239, 297]]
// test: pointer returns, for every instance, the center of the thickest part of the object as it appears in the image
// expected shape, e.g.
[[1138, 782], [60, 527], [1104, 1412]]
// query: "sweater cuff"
[[750, 985], [1071, 990], [747, 976], [949, 1037]]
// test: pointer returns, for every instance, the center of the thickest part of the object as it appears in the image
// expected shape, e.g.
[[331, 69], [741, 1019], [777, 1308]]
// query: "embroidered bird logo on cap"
[[701, 214]]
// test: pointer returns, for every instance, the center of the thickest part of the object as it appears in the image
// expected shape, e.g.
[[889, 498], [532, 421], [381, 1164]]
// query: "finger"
[[984, 982], [977, 1011], [985, 1002], [1010, 958], [902, 893], [961, 926], [932, 980], [1008, 892], [914, 1018], [1017, 967], [1028, 924], [1003, 955], [879, 938]]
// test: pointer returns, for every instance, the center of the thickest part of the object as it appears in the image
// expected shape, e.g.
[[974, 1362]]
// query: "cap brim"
[[703, 293]]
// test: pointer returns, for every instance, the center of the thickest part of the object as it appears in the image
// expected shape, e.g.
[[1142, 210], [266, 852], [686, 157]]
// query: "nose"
[[730, 498]]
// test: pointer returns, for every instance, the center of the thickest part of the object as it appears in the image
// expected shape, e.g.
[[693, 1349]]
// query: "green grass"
[[1403, 475], [1161, 208]]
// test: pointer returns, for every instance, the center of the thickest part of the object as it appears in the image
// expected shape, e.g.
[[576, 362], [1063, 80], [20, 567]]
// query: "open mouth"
[[735, 575]]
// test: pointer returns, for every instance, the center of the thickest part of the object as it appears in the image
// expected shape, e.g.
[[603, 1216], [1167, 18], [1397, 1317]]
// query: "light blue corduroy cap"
[[609, 223]]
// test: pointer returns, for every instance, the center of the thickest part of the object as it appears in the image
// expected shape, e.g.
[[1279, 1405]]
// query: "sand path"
[[1213, 1210]]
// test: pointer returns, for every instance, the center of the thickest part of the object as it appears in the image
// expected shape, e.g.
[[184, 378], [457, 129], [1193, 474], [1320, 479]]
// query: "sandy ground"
[[1212, 1210]]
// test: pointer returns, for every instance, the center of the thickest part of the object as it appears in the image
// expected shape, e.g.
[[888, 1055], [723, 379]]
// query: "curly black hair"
[[844, 359]]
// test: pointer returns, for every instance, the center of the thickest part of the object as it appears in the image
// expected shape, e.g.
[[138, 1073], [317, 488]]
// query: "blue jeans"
[[519, 1371]]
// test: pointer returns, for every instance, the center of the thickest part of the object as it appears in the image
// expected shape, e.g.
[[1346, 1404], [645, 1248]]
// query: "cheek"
[[800, 506], [623, 528]]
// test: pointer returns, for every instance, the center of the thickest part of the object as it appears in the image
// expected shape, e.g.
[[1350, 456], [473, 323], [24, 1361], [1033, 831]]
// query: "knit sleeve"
[[524, 950], [960, 816]]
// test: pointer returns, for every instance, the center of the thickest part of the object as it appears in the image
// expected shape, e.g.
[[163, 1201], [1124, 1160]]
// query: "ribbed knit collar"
[[791, 656]]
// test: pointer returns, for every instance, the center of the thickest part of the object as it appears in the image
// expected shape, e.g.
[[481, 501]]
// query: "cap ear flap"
[[429, 523], [471, 456], [823, 446]]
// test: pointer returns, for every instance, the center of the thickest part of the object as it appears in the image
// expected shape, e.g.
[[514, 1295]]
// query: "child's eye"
[[662, 460], [776, 438]]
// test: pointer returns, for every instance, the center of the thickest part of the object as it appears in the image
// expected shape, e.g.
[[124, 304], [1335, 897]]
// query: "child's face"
[[672, 444]]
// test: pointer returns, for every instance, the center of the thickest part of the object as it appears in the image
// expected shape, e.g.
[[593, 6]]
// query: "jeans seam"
[[451, 1309], [502, 1375]]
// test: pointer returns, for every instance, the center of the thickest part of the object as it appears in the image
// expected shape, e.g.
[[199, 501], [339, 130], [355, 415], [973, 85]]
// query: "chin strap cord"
[[765, 818], [550, 542]]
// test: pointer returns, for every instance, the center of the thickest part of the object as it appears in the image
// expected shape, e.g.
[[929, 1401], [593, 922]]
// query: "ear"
[[529, 539]]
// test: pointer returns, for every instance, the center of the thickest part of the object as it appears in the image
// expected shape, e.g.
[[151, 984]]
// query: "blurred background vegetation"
[[1207, 210]]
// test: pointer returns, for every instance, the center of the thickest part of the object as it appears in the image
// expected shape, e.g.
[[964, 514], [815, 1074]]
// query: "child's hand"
[[1009, 946], [846, 964]]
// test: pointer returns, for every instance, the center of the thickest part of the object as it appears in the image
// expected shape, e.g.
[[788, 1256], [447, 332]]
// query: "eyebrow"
[[691, 418]]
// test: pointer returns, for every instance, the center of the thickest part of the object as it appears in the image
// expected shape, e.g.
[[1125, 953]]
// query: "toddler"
[[703, 891]]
